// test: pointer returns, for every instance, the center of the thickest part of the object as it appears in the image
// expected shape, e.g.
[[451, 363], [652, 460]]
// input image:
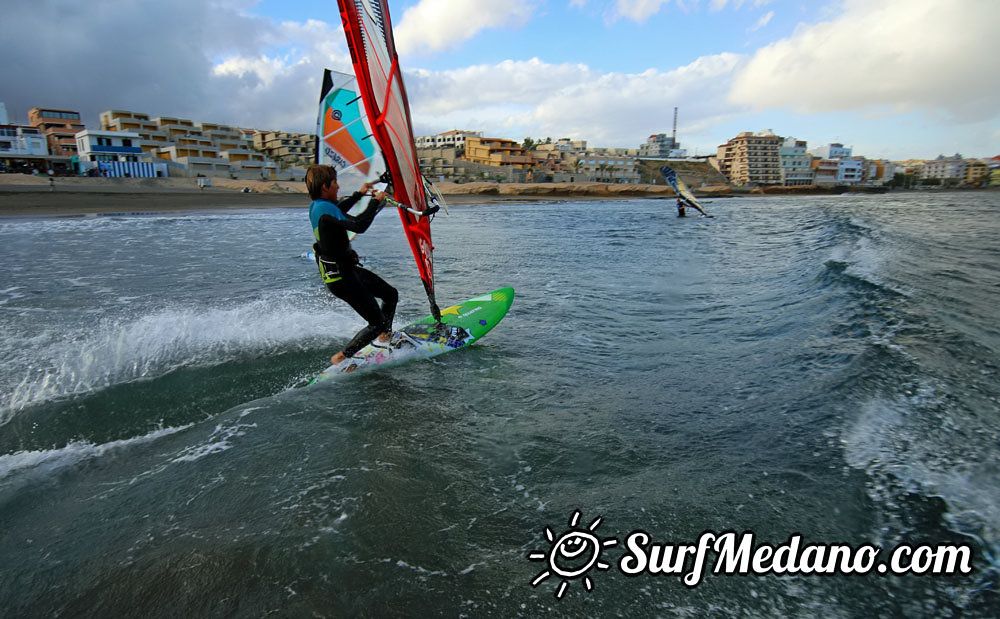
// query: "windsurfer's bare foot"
[[384, 337], [339, 359]]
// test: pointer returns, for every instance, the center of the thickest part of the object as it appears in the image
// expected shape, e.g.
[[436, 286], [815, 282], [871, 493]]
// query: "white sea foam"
[[122, 349], [889, 436], [222, 439], [51, 460]]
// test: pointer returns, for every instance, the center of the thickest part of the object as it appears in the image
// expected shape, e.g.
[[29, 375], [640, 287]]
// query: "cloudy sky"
[[892, 78]]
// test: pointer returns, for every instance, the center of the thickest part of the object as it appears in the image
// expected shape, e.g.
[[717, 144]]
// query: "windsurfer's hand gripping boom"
[[367, 189]]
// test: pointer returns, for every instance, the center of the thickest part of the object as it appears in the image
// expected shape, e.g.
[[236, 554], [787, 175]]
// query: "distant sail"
[[345, 140], [368, 29], [680, 188]]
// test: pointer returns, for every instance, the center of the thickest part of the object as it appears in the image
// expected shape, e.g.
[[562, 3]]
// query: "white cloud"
[[639, 10], [209, 61], [904, 54], [763, 21], [436, 25], [718, 5], [571, 100]]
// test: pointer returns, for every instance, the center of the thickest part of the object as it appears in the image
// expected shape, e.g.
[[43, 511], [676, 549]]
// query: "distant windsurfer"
[[683, 203], [339, 264]]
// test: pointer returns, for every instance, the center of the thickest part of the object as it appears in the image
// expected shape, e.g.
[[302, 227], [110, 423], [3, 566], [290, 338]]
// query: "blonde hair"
[[317, 177]]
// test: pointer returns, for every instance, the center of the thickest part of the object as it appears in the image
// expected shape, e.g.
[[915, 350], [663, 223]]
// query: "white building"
[[796, 163], [945, 168], [115, 154], [108, 145], [449, 139], [850, 170], [22, 142], [831, 151], [661, 146]]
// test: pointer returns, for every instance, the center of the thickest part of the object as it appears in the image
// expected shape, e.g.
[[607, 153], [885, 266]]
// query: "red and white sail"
[[368, 29]]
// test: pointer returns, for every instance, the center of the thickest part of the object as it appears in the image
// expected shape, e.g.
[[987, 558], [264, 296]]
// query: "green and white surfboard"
[[460, 326]]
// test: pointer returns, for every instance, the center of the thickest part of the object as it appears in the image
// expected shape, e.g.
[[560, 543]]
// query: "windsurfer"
[[683, 203], [339, 264]]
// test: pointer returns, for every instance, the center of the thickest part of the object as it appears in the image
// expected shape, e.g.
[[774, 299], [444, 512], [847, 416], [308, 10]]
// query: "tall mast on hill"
[[675, 127]]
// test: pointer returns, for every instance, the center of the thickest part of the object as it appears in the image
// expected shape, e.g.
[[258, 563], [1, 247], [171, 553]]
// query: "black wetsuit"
[[348, 280]]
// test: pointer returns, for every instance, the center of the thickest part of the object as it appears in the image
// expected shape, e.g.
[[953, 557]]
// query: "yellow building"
[[976, 171], [496, 152]]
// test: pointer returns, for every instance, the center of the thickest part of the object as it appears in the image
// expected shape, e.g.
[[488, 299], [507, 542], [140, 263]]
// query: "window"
[[126, 142], [54, 114]]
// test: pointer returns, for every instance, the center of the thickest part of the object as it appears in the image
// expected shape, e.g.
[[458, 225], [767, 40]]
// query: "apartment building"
[[60, 128], [22, 149], [209, 149], [286, 147], [976, 170], [151, 137], [834, 150], [661, 146], [449, 139], [563, 145], [604, 166], [108, 146], [18, 141], [825, 171], [751, 158], [796, 163], [945, 168], [115, 154], [880, 171], [497, 152], [850, 170]]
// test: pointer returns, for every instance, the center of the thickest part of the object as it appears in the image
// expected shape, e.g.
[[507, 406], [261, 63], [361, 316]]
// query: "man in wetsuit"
[[339, 264], [683, 203]]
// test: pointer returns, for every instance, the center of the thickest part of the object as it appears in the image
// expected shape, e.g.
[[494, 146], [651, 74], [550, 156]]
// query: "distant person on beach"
[[340, 266]]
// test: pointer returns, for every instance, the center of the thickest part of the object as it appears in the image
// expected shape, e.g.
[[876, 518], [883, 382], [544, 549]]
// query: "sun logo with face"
[[572, 555]]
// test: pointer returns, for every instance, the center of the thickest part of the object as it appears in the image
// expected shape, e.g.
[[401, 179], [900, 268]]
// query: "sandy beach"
[[26, 195]]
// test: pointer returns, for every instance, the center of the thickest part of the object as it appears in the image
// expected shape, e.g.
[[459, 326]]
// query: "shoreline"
[[45, 203], [27, 196]]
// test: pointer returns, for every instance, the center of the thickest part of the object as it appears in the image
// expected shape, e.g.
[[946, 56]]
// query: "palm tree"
[[603, 168]]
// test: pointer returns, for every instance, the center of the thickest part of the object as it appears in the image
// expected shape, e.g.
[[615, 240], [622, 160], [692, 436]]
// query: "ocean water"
[[826, 366]]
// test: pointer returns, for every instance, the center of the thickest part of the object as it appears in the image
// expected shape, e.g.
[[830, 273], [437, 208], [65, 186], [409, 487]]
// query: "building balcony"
[[120, 150]]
